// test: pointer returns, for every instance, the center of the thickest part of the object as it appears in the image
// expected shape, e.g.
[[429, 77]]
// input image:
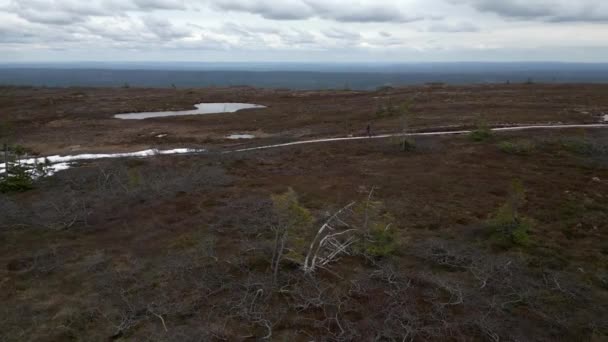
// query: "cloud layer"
[[550, 10], [340, 11], [395, 30]]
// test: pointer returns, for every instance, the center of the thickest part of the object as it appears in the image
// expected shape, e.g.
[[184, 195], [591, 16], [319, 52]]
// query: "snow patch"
[[240, 136], [50, 169], [201, 108], [60, 163]]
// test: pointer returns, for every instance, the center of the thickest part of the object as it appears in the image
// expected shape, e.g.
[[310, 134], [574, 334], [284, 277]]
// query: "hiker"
[[369, 130]]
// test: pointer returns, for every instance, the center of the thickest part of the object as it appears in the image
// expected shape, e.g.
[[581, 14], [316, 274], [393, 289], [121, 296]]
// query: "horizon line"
[[309, 62]]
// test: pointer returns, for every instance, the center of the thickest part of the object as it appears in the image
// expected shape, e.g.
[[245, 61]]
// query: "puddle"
[[201, 108], [240, 136], [60, 163]]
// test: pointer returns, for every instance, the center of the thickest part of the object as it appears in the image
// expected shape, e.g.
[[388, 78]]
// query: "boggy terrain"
[[76, 120], [479, 237]]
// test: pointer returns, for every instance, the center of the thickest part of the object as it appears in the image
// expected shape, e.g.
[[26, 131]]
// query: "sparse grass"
[[507, 227], [580, 217], [6, 130], [381, 242], [519, 147], [580, 146], [292, 225], [508, 230], [294, 218], [379, 238], [134, 177], [389, 109], [186, 241], [481, 133], [15, 151], [407, 144]]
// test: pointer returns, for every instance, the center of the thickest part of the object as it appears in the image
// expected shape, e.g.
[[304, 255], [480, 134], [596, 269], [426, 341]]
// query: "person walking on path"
[[369, 130]]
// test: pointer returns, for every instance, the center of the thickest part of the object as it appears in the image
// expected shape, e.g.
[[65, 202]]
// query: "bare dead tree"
[[332, 239], [279, 247]]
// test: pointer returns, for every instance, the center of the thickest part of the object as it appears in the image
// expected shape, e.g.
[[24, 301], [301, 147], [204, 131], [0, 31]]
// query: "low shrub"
[[378, 238], [389, 109], [521, 147], [481, 133], [380, 242], [580, 146], [404, 144], [507, 227], [408, 144], [293, 224], [18, 179]]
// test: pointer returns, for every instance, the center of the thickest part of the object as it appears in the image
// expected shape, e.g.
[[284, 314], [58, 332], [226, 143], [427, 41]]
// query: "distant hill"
[[295, 75]]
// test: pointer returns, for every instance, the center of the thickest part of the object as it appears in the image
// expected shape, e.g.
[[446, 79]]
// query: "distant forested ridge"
[[295, 75]]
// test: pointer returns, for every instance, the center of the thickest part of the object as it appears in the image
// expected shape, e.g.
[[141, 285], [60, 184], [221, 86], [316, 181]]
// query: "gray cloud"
[[148, 5], [164, 29], [546, 10], [16, 35], [298, 37], [341, 34], [277, 10], [240, 29], [66, 12], [453, 28], [50, 17], [14, 30], [377, 16], [357, 12], [340, 11]]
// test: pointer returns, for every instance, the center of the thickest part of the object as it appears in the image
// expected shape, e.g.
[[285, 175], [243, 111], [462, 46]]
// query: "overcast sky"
[[304, 30]]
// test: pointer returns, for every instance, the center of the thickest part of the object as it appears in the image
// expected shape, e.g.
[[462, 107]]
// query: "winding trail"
[[384, 136], [60, 163]]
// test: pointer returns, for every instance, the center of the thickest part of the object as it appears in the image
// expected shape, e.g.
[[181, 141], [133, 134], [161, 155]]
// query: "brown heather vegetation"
[[504, 239]]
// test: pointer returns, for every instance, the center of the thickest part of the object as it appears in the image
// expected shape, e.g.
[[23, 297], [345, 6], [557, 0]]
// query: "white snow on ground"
[[62, 162], [54, 168], [201, 108], [240, 136], [50, 169], [606, 118]]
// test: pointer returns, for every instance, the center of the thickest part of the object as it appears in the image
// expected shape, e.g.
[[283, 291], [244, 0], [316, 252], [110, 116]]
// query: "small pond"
[[240, 136], [201, 108]]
